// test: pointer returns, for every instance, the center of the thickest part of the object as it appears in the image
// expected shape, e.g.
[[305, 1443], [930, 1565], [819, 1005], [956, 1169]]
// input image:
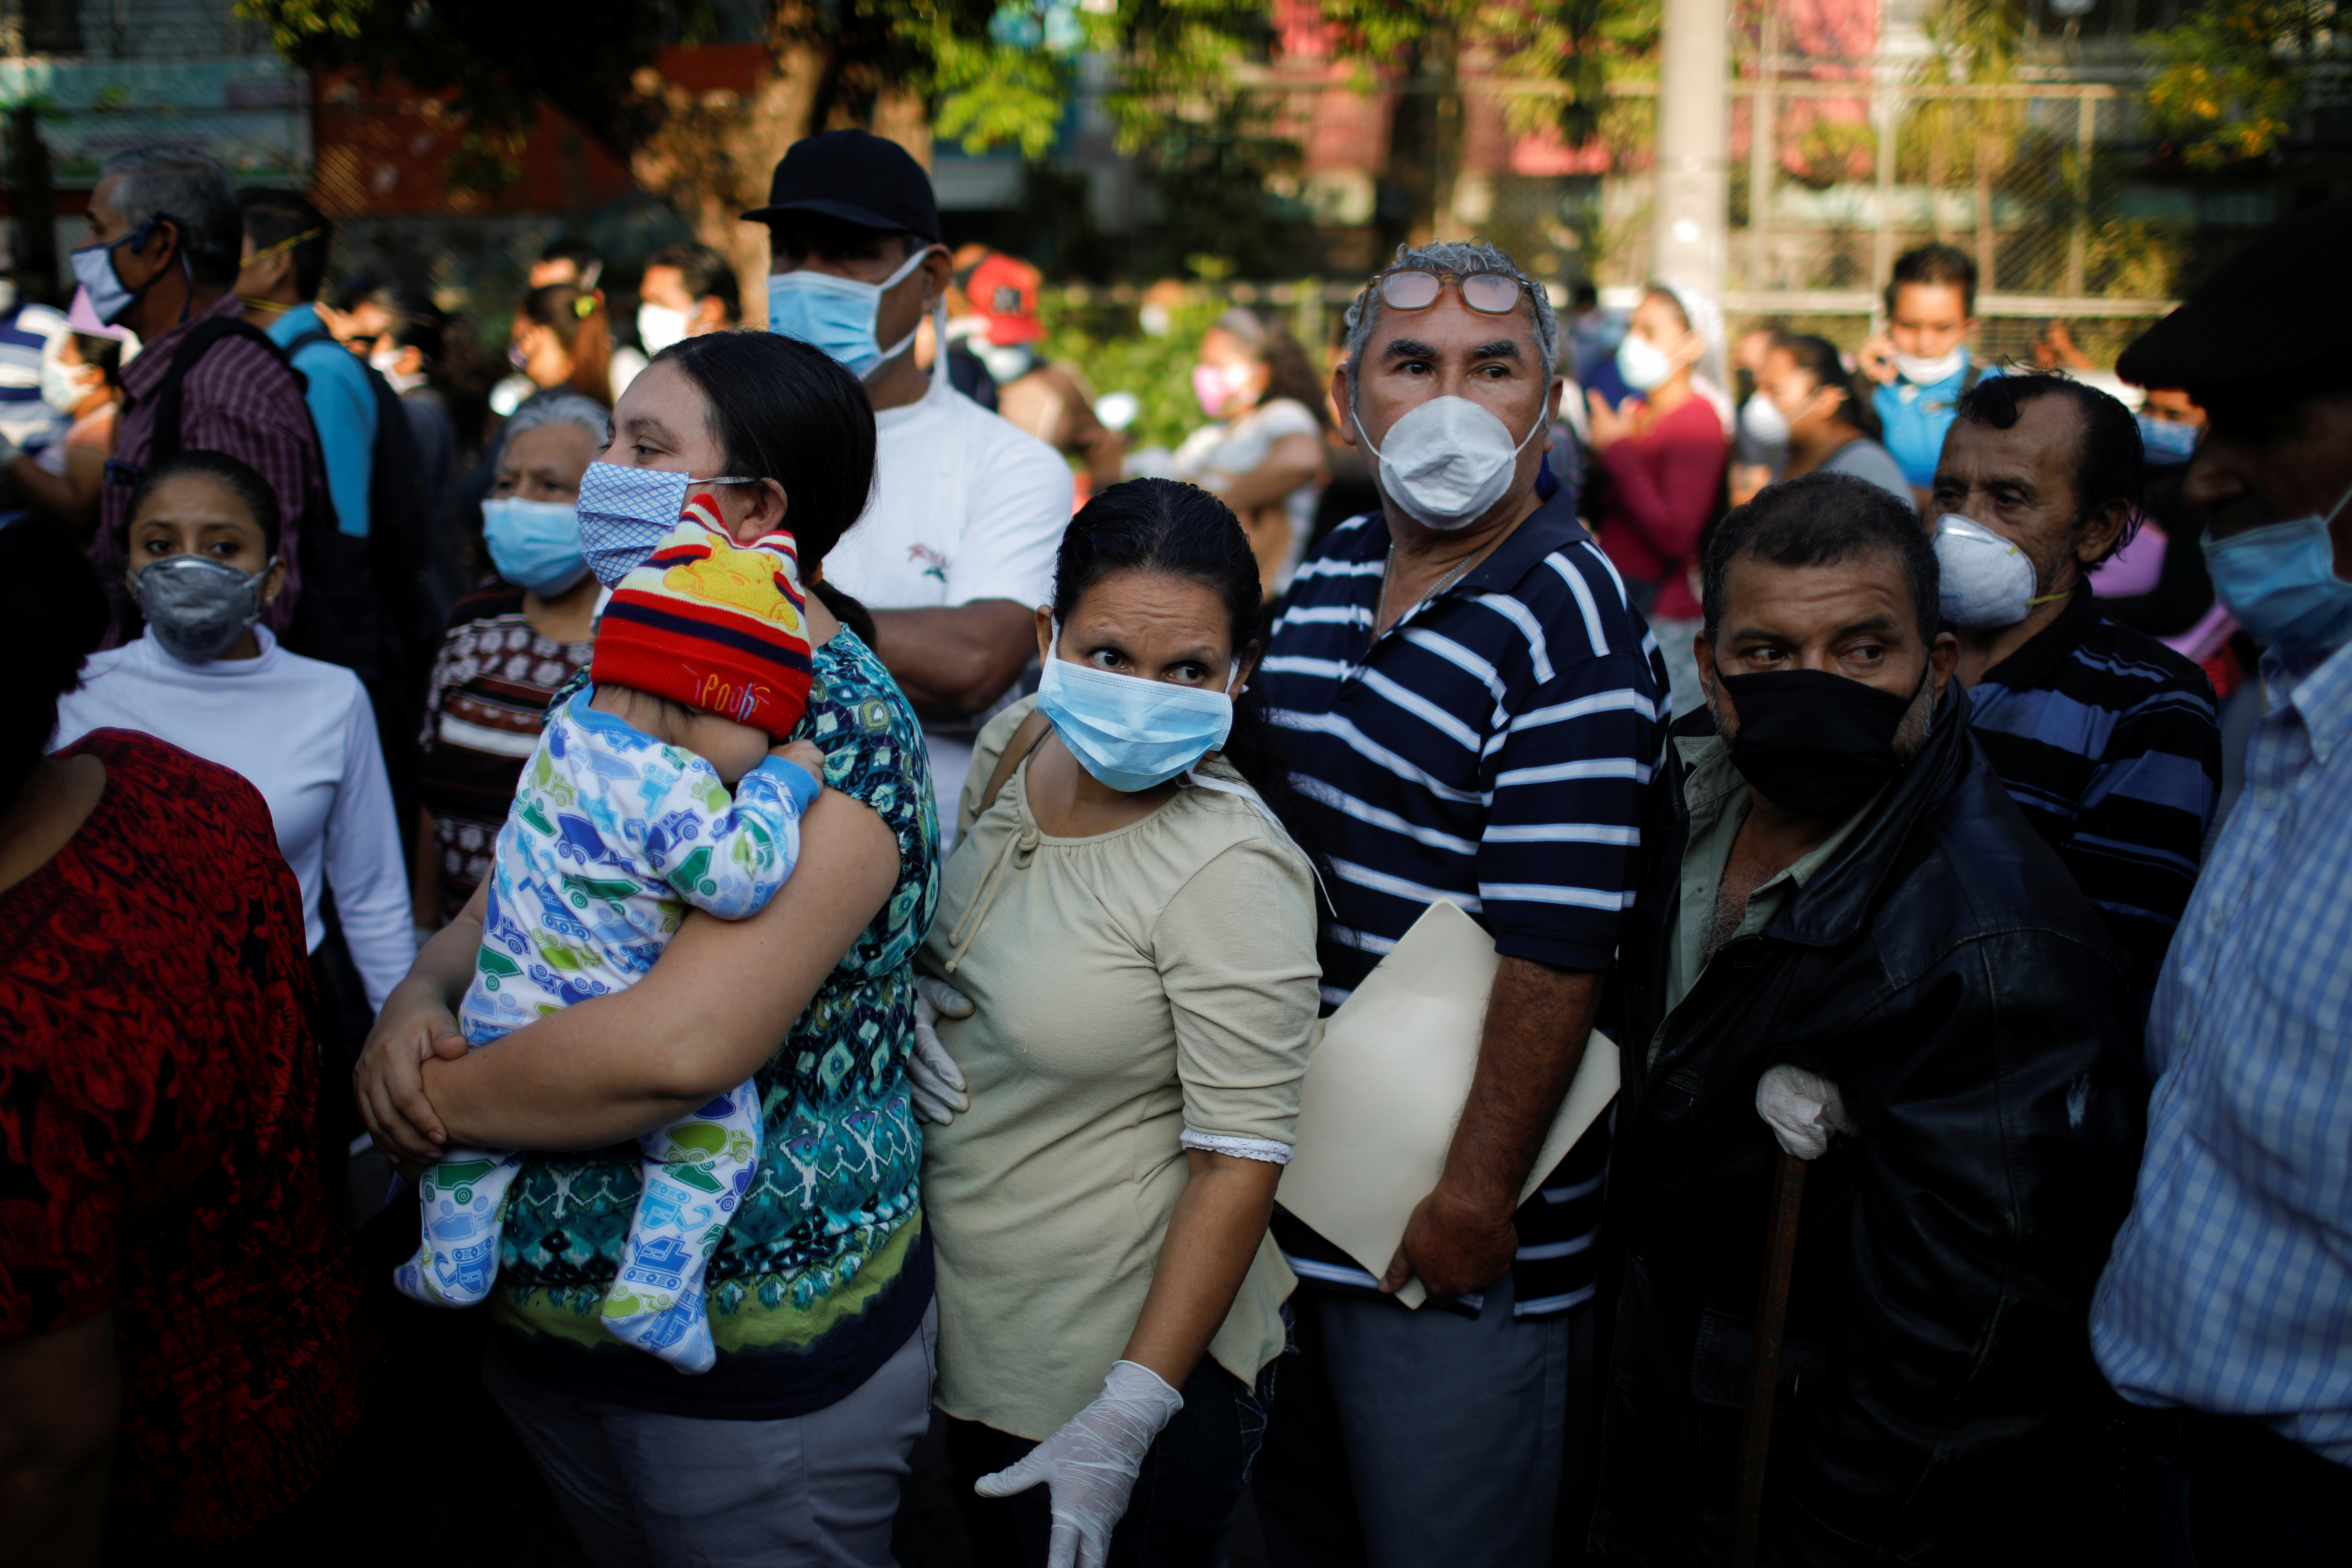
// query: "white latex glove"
[[1091, 1464], [1803, 1109], [937, 1083]]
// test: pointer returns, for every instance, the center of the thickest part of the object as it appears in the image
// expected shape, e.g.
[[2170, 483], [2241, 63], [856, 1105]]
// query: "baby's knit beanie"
[[712, 623]]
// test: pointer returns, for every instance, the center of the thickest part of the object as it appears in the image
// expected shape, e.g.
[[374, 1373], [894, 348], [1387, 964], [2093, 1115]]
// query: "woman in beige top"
[[1136, 933]]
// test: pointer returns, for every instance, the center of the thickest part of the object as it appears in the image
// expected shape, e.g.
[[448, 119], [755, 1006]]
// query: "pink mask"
[[1215, 385]]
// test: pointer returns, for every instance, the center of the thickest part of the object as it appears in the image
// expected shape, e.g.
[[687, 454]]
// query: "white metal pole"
[[1763, 120], [1694, 187]]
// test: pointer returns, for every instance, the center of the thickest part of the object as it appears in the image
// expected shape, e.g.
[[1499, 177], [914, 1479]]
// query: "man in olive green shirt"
[[1707, 913]]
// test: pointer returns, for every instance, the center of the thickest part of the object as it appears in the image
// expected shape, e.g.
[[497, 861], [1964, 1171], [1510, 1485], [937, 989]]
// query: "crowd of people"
[[816, 877]]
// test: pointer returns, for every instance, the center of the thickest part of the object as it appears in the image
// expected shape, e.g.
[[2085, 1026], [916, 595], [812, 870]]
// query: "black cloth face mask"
[[1812, 742]]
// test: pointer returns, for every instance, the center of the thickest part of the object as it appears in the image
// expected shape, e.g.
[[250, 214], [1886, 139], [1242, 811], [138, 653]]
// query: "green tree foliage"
[[1565, 53], [496, 61], [1118, 355], [1978, 39], [1209, 201], [1554, 61], [2232, 78], [986, 73], [974, 68], [996, 72]]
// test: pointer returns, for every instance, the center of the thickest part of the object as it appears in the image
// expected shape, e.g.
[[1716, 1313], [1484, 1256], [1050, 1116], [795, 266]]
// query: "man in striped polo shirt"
[[2108, 741], [1473, 713]]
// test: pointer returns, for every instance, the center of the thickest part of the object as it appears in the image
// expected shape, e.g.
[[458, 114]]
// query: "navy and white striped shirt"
[[26, 418], [1493, 748], [2109, 744]]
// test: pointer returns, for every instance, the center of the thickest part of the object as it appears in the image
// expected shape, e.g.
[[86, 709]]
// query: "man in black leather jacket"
[[1835, 880]]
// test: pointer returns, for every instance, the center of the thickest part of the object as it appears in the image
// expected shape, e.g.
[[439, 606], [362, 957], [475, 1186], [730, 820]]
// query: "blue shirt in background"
[[1916, 418], [342, 405]]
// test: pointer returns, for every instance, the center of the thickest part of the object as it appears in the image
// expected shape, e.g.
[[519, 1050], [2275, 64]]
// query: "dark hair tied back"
[[1819, 358], [234, 474]]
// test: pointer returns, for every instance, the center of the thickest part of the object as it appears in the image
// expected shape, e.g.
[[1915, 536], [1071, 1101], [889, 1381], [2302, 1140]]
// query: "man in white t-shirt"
[[957, 550]]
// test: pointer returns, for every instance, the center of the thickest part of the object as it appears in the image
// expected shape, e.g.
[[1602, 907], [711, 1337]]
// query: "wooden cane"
[[1764, 1357]]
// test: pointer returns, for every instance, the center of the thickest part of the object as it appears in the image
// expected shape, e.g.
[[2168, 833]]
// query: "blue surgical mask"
[[2165, 442], [61, 385], [626, 513], [93, 268], [534, 544], [2279, 582], [838, 314], [1129, 732]]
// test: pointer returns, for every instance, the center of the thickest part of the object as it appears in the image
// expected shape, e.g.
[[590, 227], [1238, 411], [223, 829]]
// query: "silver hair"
[[194, 193], [564, 408], [1458, 258]]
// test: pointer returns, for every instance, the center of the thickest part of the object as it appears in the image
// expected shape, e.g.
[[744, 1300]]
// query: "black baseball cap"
[[857, 177], [2275, 312]]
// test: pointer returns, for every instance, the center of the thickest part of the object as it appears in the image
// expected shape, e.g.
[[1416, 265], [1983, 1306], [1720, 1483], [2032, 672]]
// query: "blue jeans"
[[1185, 1496]]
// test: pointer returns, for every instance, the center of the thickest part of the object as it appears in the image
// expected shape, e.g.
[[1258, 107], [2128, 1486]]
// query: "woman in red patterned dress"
[[183, 1356]]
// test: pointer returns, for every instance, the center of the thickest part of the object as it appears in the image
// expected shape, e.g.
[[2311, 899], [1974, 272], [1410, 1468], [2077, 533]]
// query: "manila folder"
[[1388, 1077]]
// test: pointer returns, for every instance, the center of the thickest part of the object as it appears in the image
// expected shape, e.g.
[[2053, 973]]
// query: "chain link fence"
[[1835, 167], [1832, 179]]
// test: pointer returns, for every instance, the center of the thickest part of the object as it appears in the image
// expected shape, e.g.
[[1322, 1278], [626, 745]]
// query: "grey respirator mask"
[[197, 608]]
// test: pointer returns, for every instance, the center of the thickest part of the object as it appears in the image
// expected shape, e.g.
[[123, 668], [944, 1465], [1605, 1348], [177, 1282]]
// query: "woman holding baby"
[[1136, 931], [792, 1447]]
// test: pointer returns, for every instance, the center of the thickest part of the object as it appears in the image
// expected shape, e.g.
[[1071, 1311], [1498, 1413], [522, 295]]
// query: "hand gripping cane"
[[1803, 1109]]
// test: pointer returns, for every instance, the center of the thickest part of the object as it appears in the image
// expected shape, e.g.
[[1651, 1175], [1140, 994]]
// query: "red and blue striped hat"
[[715, 625]]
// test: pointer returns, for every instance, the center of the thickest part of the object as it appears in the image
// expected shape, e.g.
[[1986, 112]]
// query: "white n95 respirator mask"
[[1447, 461], [1987, 581]]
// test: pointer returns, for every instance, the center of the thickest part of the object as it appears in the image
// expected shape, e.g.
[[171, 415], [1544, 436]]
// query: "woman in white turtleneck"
[[203, 551]]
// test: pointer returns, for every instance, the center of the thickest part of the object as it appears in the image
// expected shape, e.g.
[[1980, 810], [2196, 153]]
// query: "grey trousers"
[[644, 1490], [1401, 1439]]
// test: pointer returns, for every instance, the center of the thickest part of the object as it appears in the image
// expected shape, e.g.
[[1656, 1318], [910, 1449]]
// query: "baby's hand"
[[805, 753]]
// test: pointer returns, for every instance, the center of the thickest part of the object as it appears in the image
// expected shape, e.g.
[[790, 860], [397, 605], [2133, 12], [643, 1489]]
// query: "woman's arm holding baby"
[[419, 1021], [710, 1012]]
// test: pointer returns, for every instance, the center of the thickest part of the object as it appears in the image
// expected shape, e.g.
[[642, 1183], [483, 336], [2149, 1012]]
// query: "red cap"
[[1004, 288], [712, 623]]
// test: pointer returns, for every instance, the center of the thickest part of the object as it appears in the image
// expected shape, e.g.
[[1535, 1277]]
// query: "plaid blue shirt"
[[2230, 1290], [1493, 748]]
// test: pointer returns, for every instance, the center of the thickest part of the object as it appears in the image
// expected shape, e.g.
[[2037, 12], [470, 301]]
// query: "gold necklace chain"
[[1387, 573]]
